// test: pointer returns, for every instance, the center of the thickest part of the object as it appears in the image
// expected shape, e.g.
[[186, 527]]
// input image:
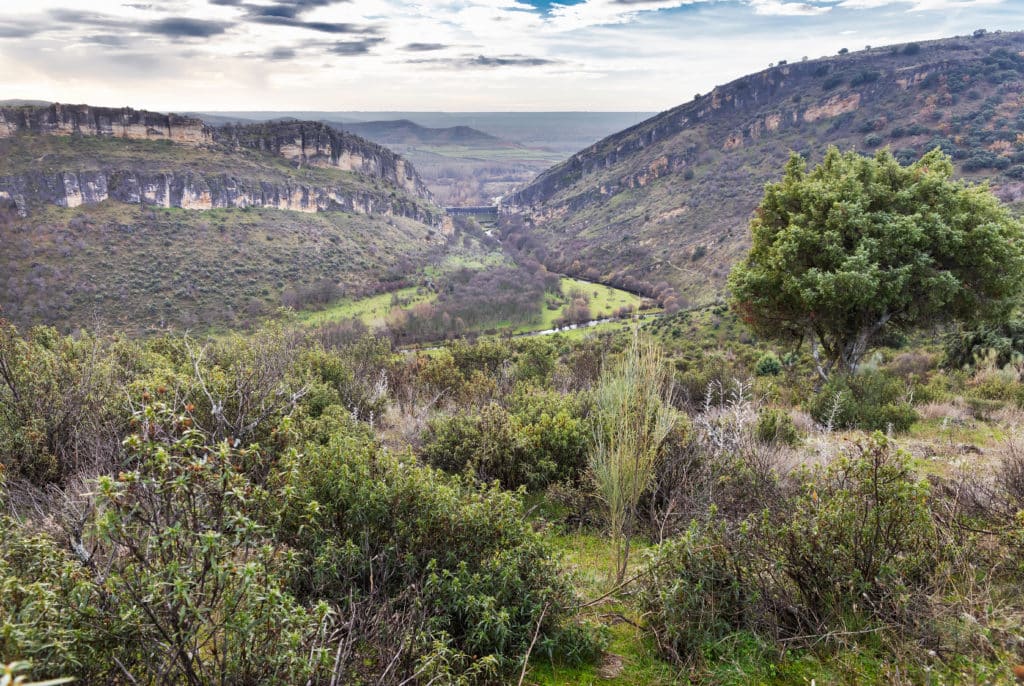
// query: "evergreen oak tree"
[[861, 246]]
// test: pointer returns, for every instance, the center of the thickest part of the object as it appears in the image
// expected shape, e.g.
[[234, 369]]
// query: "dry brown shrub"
[[916, 362], [954, 411]]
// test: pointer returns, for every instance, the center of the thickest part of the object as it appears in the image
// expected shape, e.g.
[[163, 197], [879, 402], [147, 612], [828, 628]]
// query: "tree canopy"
[[861, 246]]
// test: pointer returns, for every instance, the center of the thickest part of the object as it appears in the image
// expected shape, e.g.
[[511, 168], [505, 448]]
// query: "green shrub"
[[999, 343], [774, 425], [52, 615], [695, 594], [871, 400], [853, 551], [189, 562], [859, 538], [540, 439], [768, 365], [58, 398], [459, 574]]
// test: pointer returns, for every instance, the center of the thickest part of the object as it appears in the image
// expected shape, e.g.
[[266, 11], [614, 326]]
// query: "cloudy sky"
[[452, 55]]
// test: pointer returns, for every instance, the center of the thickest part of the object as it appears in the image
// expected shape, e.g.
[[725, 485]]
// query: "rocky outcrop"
[[194, 191], [301, 143], [314, 144], [67, 120], [788, 99]]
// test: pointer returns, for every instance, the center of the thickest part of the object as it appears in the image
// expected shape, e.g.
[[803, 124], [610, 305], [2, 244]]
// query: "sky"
[[439, 55]]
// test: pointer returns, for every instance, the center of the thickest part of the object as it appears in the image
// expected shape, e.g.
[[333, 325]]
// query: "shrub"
[[774, 425], [58, 398], [871, 400], [852, 551], [768, 365], [541, 439], [200, 577], [52, 615], [433, 570], [873, 140], [633, 419], [1000, 343], [695, 593], [858, 538]]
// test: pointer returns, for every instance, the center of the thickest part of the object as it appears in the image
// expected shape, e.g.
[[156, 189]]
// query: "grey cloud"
[[486, 62], [68, 16], [515, 60], [289, 13], [184, 27], [424, 47], [16, 30], [321, 26], [174, 27], [108, 39], [280, 54], [357, 47]]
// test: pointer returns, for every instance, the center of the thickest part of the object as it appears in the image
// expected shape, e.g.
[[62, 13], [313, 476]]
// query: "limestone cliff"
[[195, 191], [67, 120], [213, 166], [319, 145]]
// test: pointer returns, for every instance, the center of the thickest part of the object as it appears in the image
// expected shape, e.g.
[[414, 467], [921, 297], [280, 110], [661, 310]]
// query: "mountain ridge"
[[668, 200]]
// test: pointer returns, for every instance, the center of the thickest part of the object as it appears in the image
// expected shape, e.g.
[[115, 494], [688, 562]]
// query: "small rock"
[[611, 666]]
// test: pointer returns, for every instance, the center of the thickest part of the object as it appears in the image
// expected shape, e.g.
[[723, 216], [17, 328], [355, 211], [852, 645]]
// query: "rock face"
[[67, 120], [194, 191], [303, 144], [318, 145]]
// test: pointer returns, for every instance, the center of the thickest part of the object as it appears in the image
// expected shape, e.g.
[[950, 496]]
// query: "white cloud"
[[484, 54], [607, 12], [777, 8]]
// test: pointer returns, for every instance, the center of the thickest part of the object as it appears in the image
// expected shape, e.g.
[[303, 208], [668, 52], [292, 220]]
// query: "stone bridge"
[[486, 210]]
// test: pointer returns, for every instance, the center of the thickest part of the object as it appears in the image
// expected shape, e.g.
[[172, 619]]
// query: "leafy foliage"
[[844, 253], [540, 439]]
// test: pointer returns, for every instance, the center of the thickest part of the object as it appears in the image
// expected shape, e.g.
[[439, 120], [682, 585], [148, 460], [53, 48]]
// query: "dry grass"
[[951, 410]]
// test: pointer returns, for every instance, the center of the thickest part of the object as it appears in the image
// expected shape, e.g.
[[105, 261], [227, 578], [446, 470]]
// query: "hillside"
[[138, 220], [668, 200], [404, 131]]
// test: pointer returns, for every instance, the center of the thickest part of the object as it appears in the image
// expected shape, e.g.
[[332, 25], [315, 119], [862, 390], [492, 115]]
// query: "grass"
[[591, 559], [371, 310], [145, 269], [604, 301]]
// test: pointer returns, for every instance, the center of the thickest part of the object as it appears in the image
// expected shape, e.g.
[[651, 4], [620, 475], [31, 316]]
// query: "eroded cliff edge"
[[172, 161]]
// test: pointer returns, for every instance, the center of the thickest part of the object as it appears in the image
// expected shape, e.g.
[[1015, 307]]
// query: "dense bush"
[[191, 589], [858, 538], [696, 591], [774, 425], [58, 398], [454, 573], [768, 365], [539, 439], [852, 547], [1002, 343], [871, 400]]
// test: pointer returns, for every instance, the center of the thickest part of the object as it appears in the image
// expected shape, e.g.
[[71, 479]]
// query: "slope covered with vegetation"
[[142, 221], [674, 500], [668, 200]]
